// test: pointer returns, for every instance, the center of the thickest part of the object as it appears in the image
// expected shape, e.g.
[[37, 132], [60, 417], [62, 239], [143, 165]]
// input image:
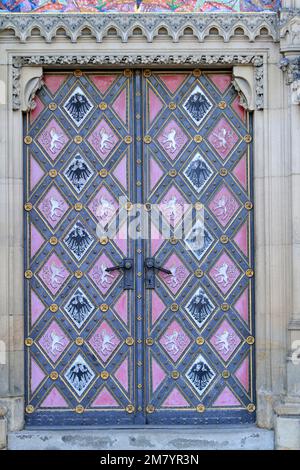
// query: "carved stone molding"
[[290, 30], [31, 82], [147, 25], [243, 82], [134, 60], [291, 66]]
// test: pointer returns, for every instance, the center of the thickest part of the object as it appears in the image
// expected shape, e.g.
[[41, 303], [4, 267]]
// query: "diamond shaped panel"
[[103, 279], [54, 341], [179, 273], [199, 307], [225, 340], [79, 307], [53, 206], [79, 375], [53, 139], [103, 206], [54, 274], [197, 105], [78, 106], [198, 172], [103, 139], [224, 273], [104, 341], [173, 206], [78, 173], [78, 240], [172, 139], [200, 375], [223, 138], [224, 205], [175, 340]]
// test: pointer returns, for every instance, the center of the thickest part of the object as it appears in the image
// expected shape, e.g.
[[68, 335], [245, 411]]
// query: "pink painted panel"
[[226, 398], [242, 305], [240, 172], [158, 375], [54, 400], [37, 307], [155, 105], [221, 81], [173, 82], [120, 106], [175, 400], [36, 173], [121, 374], [36, 240], [241, 238], [103, 82], [54, 82], [37, 375], [121, 307], [242, 374], [105, 399]]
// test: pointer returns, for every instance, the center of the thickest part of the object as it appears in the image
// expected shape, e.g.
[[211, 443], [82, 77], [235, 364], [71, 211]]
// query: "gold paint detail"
[[247, 138], [53, 308], [200, 340], [174, 307], [127, 73], [200, 408], [79, 409], [78, 274], [28, 140], [52, 173], [139, 296], [103, 173], [225, 307], [248, 205], [175, 374], [78, 206], [198, 206], [249, 273], [28, 342], [103, 106], [222, 104], [104, 307], [28, 206], [139, 317], [78, 73], [251, 407], [199, 273], [147, 206], [225, 374], [139, 161], [53, 241], [224, 239], [29, 409], [140, 408], [104, 375], [79, 341], [147, 139], [138, 183], [128, 206], [223, 172], [140, 386], [173, 240], [150, 409], [54, 375], [197, 73], [139, 274], [140, 363], [78, 139], [130, 409], [128, 139], [149, 341], [28, 274], [198, 138], [172, 173], [147, 73], [129, 341], [172, 106], [250, 340], [103, 240], [52, 106]]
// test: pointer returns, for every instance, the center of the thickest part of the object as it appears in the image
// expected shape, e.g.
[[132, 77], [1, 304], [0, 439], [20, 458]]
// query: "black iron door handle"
[[151, 266], [127, 266]]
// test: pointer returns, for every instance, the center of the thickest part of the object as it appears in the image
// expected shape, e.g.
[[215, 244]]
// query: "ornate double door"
[[133, 316]]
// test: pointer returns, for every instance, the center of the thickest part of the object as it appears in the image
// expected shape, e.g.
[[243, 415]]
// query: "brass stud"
[[104, 307], [138, 183], [28, 140], [223, 172], [140, 386], [28, 342], [78, 206], [200, 408], [248, 205], [104, 375], [224, 239], [103, 173], [28, 206], [139, 363], [138, 116], [198, 206], [53, 375], [147, 139], [173, 240], [225, 307], [29, 409], [200, 340], [251, 407], [174, 307], [139, 296], [52, 106], [172, 173], [139, 317], [147, 73], [53, 308], [53, 241], [79, 409], [225, 374], [149, 341], [128, 206], [129, 341], [28, 274], [139, 274], [249, 273], [250, 340], [199, 273], [150, 409], [128, 139], [198, 138], [78, 73], [127, 73], [103, 240], [175, 374], [222, 104], [103, 106], [79, 341], [78, 274], [197, 73], [130, 409], [147, 206], [140, 408], [247, 138], [172, 106], [78, 139]]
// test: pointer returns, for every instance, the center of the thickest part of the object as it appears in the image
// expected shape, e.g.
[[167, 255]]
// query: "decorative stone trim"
[[132, 60], [147, 25]]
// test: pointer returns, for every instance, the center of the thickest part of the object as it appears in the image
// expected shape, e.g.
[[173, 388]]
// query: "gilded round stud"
[[29, 409], [52, 106], [140, 386], [223, 172], [78, 206], [147, 73], [79, 341], [53, 241], [104, 375], [103, 106], [28, 140], [198, 206], [78, 73], [175, 374], [200, 408], [174, 307], [129, 341], [53, 375], [222, 104], [173, 240], [53, 308], [198, 139], [78, 139], [197, 73], [225, 307], [103, 240], [172, 106], [127, 73], [28, 342], [199, 273], [248, 205], [247, 138], [172, 173], [150, 409], [78, 274], [147, 206], [225, 374], [128, 139], [104, 307], [79, 409], [147, 139], [28, 274], [200, 340], [52, 173], [149, 341], [28, 206], [130, 409], [128, 206], [224, 239], [249, 273], [251, 407], [250, 340], [103, 173]]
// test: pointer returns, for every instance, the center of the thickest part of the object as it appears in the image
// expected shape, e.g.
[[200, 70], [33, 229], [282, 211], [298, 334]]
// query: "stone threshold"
[[241, 437]]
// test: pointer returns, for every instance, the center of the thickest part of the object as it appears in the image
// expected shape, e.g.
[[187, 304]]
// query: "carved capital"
[[291, 67], [244, 83], [30, 82]]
